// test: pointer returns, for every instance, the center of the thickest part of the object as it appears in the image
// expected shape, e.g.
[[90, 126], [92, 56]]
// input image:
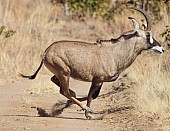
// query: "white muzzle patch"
[[158, 49]]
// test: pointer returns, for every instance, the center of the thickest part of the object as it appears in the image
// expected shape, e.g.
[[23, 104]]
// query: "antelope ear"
[[136, 25]]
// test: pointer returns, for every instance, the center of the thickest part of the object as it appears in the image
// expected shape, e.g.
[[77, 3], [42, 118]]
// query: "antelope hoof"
[[88, 110], [89, 116], [88, 113]]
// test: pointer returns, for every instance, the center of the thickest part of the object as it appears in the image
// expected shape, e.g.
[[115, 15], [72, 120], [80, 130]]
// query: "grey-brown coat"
[[98, 62]]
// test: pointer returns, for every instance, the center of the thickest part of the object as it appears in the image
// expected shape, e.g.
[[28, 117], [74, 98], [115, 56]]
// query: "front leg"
[[93, 93]]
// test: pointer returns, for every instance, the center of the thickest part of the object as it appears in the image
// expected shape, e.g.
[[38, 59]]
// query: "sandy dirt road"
[[16, 112]]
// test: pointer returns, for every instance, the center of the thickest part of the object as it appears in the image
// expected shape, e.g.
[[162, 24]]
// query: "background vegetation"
[[28, 27]]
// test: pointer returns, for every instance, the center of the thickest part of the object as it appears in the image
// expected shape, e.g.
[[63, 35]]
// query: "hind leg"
[[55, 80], [63, 82], [64, 90]]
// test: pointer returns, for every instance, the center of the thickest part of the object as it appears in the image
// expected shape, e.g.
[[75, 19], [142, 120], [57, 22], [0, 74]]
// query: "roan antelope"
[[98, 62]]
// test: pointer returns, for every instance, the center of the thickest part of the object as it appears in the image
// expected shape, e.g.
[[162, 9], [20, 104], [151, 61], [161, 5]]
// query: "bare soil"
[[17, 111]]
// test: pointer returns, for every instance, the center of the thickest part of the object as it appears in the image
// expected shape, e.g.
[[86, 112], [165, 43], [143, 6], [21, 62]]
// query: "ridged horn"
[[148, 20]]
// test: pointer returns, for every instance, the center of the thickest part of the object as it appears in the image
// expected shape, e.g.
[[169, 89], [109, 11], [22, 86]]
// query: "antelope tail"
[[35, 74]]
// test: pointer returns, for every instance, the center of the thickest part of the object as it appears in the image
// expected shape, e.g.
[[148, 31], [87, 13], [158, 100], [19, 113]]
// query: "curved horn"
[[135, 23], [148, 20]]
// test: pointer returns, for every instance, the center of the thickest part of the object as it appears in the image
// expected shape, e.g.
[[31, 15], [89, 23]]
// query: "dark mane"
[[125, 36], [128, 35]]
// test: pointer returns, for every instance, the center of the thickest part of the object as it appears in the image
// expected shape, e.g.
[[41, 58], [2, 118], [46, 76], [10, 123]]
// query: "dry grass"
[[151, 73], [38, 24]]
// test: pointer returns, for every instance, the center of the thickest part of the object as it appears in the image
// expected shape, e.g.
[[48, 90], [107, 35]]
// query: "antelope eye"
[[149, 38]]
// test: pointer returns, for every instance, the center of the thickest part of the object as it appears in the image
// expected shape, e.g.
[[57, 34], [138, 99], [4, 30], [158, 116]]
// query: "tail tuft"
[[29, 77], [35, 74]]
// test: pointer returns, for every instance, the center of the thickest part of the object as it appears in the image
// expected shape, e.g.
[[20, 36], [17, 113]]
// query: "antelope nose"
[[163, 50], [158, 49]]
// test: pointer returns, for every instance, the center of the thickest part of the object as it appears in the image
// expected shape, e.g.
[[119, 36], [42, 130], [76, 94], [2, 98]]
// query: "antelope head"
[[146, 33]]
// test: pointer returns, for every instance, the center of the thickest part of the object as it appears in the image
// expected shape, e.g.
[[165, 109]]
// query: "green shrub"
[[92, 8], [166, 34], [104, 9], [6, 33]]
